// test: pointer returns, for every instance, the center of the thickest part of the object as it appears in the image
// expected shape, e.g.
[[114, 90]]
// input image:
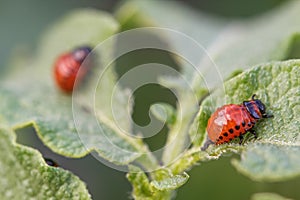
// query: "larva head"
[[256, 108], [79, 54]]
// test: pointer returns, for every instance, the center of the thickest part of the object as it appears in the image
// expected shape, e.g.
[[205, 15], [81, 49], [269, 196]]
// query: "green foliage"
[[171, 183], [140, 183], [160, 188], [268, 196], [241, 45], [164, 112], [202, 28], [25, 175], [249, 42], [272, 157], [24, 101], [269, 161]]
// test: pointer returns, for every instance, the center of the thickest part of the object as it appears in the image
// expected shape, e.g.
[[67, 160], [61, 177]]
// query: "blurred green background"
[[22, 23]]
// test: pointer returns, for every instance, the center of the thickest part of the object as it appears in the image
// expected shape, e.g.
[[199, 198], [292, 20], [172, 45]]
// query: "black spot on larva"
[[230, 139], [237, 127], [231, 131], [243, 124], [249, 124], [235, 136], [221, 138], [225, 134]]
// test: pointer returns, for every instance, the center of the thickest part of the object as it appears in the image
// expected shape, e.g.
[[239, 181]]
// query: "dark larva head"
[[261, 106], [80, 53], [255, 107]]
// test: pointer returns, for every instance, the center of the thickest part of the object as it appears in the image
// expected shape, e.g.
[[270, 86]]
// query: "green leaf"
[[161, 187], [275, 154], [140, 183], [201, 27], [25, 175], [29, 96], [164, 112], [142, 189], [171, 183], [268, 196], [248, 42], [269, 162], [168, 14]]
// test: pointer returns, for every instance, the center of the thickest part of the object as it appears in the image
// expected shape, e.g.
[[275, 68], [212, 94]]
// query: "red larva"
[[67, 66], [231, 121]]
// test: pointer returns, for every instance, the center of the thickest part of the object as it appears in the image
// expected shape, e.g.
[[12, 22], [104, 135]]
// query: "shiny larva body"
[[228, 122], [234, 120], [67, 66]]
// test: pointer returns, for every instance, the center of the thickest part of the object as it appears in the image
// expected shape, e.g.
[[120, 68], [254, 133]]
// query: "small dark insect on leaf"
[[50, 162]]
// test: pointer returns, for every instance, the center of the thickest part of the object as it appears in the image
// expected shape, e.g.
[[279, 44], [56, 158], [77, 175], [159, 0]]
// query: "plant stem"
[[178, 136]]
